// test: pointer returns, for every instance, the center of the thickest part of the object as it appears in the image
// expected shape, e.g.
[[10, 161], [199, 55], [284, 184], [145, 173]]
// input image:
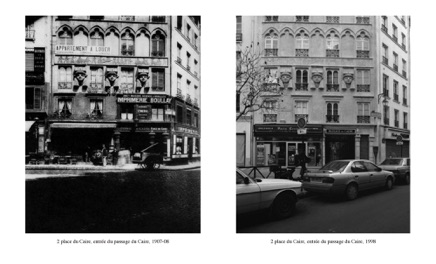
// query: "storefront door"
[[292, 150]]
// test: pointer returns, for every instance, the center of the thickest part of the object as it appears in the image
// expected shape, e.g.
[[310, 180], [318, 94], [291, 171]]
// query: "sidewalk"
[[126, 167]]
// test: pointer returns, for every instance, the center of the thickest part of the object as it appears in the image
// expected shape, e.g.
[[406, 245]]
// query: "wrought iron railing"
[[301, 86], [363, 54], [160, 19], [364, 119], [362, 20], [65, 85], [302, 52], [363, 88], [271, 52], [332, 53], [385, 60], [238, 36]]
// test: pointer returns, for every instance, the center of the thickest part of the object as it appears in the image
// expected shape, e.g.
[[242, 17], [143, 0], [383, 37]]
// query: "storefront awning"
[[29, 125], [82, 125]]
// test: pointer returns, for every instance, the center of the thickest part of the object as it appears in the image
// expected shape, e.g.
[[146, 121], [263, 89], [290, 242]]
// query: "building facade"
[[38, 83], [326, 71], [112, 84]]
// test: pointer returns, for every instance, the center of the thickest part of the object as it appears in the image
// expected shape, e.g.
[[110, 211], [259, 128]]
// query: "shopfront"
[[186, 143], [397, 144], [279, 144]]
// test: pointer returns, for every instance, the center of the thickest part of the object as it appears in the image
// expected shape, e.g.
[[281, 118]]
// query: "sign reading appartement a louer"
[[144, 99], [82, 50]]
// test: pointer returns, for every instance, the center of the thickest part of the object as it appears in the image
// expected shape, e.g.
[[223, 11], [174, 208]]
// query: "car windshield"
[[391, 162], [335, 166]]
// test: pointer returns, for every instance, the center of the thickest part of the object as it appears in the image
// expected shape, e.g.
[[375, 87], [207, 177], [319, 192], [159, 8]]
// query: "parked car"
[[348, 178], [399, 166], [277, 195], [149, 158]]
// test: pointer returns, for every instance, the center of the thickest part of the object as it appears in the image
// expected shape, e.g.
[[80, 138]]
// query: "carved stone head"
[[142, 77], [348, 78], [286, 77], [80, 76], [112, 76], [317, 78]]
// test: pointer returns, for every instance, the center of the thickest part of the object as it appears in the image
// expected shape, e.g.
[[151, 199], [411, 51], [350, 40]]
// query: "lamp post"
[[379, 116]]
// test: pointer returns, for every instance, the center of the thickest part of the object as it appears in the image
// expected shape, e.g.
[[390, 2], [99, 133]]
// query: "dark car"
[[399, 166], [149, 158]]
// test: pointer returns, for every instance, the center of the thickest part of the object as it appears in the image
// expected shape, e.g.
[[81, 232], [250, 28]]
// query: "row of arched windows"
[[126, 43]]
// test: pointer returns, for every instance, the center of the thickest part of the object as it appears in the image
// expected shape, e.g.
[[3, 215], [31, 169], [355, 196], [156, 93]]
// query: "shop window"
[[158, 45], [33, 98], [65, 77], [179, 145], [65, 107], [96, 107], [126, 111], [179, 114], [158, 79], [157, 114], [127, 44]]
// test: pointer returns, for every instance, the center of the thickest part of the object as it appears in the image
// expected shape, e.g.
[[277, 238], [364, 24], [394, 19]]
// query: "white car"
[[277, 195]]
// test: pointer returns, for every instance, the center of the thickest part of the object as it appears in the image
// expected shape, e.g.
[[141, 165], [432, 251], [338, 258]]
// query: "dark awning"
[[83, 125], [29, 124]]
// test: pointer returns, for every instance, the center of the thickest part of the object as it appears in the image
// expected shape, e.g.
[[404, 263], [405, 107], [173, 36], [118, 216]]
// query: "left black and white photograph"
[[112, 119]]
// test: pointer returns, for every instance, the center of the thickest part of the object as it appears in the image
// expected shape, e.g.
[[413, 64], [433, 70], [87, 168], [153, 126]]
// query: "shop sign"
[[101, 60], [341, 131], [143, 111], [82, 50], [186, 130], [39, 60], [152, 129], [284, 129], [144, 99]]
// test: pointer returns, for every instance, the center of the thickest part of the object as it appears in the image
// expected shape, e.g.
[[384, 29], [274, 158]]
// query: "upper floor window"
[[395, 61], [385, 85], [271, 18], [158, 45], [386, 115], [271, 44], [158, 79], [97, 38], [301, 80], [363, 115], [396, 96], [157, 114], [363, 80], [65, 77], [127, 44], [302, 18], [396, 118], [403, 40], [395, 32], [179, 23], [302, 45], [127, 79], [332, 81], [33, 98], [362, 46], [96, 107], [65, 37], [188, 31], [332, 45], [385, 54], [404, 69], [384, 25], [96, 78], [126, 18], [188, 61], [332, 113], [179, 113], [65, 107], [405, 120]]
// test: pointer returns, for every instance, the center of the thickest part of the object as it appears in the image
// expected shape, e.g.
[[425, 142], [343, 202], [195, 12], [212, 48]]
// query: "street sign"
[[302, 131], [399, 142], [301, 123]]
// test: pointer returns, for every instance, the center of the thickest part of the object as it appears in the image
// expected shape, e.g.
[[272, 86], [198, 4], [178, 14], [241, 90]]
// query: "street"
[[114, 202], [376, 211]]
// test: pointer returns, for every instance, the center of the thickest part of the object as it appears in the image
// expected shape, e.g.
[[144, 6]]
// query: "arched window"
[[112, 40], [127, 44], [332, 81], [332, 112], [97, 38], [158, 45], [65, 37], [332, 42], [301, 80], [302, 41], [81, 37], [362, 46], [271, 45]]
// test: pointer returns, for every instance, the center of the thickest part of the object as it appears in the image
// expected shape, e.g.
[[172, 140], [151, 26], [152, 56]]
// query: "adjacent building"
[[113, 83], [330, 74]]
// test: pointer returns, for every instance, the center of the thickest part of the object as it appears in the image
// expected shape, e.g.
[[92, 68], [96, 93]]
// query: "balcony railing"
[[396, 123], [396, 97], [386, 121], [30, 34], [331, 53], [404, 74], [302, 19], [385, 60], [302, 52], [364, 119], [385, 92], [395, 38], [404, 101], [270, 87], [395, 67], [179, 94], [65, 85], [61, 114], [363, 54], [384, 28], [363, 88], [298, 116], [195, 102], [403, 46], [188, 68], [332, 19], [159, 19], [95, 87], [238, 36], [158, 53], [332, 87], [362, 20], [332, 118], [271, 18], [405, 126], [195, 74], [301, 86], [271, 52], [188, 98]]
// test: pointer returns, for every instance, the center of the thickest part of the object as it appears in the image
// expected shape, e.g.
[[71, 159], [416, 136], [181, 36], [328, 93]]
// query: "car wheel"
[[389, 184], [283, 205], [407, 179], [351, 192]]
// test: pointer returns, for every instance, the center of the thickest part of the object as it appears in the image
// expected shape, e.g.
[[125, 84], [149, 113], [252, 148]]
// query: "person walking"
[[104, 154]]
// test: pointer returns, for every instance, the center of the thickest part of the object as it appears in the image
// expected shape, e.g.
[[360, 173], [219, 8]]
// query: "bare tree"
[[252, 81]]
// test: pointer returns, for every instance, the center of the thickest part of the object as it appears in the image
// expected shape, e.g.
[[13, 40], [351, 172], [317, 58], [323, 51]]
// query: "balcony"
[[405, 126], [363, 88], [403, 46], [395, 38], [158, 19], [30, 34], [386, 121], [404, 74], [95, 87], [396, 97], [270, 87], [362, 54], [298, 116], [332, 87], [331, 53], [271, 52], [363, 119], [385, 92], [302, 52], [179, 60], [188, 68], [195, 102], [238, 36], [385, 60], [404, 101], [301, 86], [362, 20], [396, 123], [188, 98], [395, 67], [61, 114], [271, 18], [384, 28], [65, 85], [332, 118], [157, 53]]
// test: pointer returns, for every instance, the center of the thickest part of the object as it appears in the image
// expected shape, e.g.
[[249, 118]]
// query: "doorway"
[[293, 149]]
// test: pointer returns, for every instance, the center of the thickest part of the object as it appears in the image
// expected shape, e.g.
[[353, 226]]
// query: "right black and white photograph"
[[323, 124]]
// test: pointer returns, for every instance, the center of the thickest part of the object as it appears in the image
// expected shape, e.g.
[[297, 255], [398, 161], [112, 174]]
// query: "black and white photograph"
[[323, 112], [113, 124]]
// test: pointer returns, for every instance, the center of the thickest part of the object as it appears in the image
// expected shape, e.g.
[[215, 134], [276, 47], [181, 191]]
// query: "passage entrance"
[[292, 149]]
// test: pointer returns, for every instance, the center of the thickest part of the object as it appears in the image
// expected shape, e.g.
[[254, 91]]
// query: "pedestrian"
[[104, 155], [303, 159]]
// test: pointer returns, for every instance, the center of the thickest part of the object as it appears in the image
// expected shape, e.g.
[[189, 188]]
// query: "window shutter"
[[161, 80], [30, 61], [37, 98]]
